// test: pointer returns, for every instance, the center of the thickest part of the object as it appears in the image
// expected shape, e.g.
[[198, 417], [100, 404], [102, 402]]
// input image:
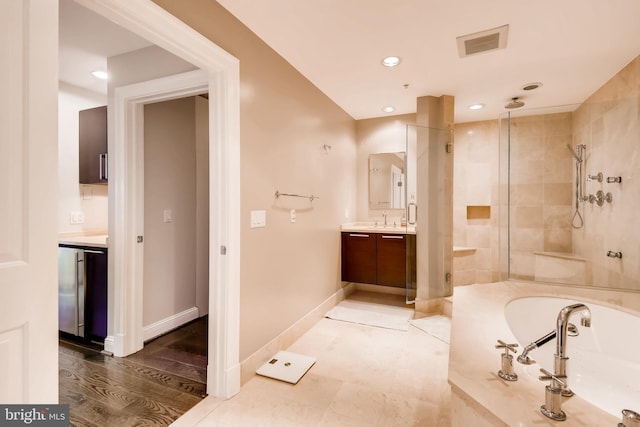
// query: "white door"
[[28, 201]]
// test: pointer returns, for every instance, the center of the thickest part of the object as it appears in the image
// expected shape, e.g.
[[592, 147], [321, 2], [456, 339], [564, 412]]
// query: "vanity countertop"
[[96, 241], [371, 227]]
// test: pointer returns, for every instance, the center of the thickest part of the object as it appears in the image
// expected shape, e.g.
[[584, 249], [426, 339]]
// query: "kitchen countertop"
[[371, 227], [478, 322], [96, 241]]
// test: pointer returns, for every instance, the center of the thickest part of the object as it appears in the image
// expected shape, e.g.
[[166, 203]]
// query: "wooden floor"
[[150, 388]]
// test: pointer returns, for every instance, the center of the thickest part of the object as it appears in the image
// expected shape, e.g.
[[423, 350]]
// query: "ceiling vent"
[[483, 41]]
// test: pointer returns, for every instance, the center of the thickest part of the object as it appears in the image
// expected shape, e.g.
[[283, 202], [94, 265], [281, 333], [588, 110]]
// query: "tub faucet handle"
[[548, 376], [507, 347], [630, 418], [506, 371], [552, 395]]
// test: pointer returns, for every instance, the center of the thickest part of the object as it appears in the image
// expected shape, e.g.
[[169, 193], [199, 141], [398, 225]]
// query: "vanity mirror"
[[387, 180]]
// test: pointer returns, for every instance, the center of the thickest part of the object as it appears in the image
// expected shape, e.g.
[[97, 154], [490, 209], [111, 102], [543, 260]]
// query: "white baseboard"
[[110, 344], [169, 323]]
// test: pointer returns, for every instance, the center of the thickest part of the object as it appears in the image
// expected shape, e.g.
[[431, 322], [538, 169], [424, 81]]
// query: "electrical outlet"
[[76, 217], [293, 215]]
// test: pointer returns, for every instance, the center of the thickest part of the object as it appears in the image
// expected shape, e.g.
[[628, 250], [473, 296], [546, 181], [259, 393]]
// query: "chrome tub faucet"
[[525, 359], [562, 326], [558, 386]]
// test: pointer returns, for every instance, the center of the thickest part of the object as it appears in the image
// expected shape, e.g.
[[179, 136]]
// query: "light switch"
[[258, 219], [167, 215]]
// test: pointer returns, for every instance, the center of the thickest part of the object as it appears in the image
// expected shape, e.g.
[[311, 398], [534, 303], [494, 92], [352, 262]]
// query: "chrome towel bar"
[[311, 197]]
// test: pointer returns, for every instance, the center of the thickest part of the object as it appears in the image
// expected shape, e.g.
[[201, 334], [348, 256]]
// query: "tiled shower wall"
[[476, 184], [540, 189], [608, 123]]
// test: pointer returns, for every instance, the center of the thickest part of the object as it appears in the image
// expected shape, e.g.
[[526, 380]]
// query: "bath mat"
[[370, 314], [436, 326], [286, 366]]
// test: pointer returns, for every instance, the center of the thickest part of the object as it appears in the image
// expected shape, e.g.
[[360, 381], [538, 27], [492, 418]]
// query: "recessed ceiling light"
[[102, 75], [388, 109], [390, 61], [476, 106]]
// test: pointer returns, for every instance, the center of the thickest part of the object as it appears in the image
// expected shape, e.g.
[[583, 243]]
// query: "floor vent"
[[483, 41]]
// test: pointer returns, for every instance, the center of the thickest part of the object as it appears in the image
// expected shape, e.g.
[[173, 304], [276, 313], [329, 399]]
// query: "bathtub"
[[604, 360], [479, 397]]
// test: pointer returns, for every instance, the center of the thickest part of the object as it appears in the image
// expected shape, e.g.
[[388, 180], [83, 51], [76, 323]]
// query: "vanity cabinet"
[[376, 258], [391, 260], [359, 257], [93, 145]]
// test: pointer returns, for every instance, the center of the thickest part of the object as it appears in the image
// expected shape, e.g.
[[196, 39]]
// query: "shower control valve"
[[598, 177]]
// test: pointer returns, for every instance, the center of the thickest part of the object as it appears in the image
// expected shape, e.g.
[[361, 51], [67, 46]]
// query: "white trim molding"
[[170, 323], [148, 20]]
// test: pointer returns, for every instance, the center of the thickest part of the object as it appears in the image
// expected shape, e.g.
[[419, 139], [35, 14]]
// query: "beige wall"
[[287, 269], [170, 185], [608, 123], [92, 200]]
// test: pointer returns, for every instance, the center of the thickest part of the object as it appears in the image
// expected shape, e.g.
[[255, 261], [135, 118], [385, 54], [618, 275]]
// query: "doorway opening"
[[219, 76]]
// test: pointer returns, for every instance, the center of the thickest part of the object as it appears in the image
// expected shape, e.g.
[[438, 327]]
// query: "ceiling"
[[86, 41], [571, 46]]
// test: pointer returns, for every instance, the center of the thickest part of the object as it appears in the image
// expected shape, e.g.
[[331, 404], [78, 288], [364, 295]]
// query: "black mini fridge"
[[82, 292]]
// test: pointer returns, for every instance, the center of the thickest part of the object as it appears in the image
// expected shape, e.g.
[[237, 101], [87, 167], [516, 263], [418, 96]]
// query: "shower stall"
[[563, 218], [539, 205]]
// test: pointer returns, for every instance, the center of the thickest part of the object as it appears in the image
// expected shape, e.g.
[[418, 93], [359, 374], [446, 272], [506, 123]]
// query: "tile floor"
[[364, 376]]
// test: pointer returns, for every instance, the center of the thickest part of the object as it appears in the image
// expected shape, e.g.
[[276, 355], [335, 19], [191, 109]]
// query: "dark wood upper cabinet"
[[93, 146]]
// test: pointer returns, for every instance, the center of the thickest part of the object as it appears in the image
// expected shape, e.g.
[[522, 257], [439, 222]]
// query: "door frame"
[[150, 21]]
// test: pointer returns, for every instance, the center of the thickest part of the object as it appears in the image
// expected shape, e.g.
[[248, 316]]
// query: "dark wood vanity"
[[377, 257]]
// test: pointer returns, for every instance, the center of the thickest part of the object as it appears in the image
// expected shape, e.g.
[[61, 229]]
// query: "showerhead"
[[514, 103], [573, 151]]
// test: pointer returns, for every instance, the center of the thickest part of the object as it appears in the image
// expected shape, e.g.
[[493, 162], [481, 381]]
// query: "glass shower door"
[[429, 213]]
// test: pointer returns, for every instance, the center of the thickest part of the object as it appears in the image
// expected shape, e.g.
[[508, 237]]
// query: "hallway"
[[151, 387]]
